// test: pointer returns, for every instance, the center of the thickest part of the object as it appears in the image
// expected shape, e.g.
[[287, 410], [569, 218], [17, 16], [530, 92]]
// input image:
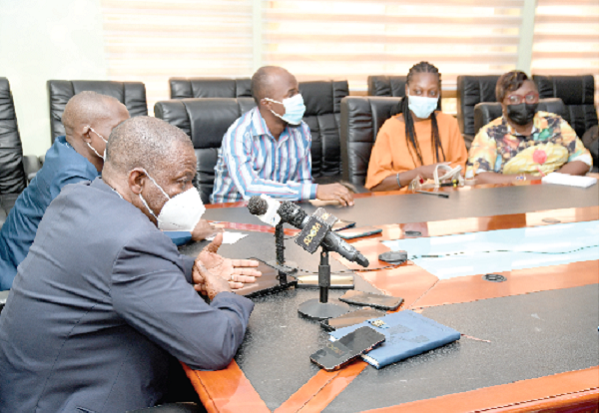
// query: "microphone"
[[266, 208]]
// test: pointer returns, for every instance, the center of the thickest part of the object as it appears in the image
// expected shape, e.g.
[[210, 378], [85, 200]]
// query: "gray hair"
[[145, 142]]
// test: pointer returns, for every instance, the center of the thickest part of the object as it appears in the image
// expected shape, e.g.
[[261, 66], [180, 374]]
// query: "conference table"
[[529, 343]]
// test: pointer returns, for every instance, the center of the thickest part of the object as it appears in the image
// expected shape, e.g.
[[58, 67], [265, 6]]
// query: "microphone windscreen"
[[257, 205], [292, 214]]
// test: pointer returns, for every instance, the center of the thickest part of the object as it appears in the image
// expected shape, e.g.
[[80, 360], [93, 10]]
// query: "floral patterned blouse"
[[497, 147]]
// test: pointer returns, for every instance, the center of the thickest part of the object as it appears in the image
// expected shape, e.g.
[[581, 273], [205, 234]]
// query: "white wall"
[[42, 40]]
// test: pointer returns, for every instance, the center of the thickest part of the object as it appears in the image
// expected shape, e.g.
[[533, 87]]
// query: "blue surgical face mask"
[[422, 106], [294, 109]]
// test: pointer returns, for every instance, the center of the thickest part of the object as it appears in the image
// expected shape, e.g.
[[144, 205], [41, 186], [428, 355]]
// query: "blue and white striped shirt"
[[252, 162]]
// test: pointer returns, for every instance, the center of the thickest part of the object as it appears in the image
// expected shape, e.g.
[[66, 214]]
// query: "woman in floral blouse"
[[524, 144]]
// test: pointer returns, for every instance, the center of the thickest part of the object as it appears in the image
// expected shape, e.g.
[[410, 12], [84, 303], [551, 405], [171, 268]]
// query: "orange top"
[[390, 153]]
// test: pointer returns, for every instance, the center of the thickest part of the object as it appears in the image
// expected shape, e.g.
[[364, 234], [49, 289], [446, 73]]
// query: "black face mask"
[[523, 113]]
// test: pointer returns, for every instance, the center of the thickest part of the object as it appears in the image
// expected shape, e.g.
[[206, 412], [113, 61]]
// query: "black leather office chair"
[[577, 94], [131, 94], [322, 100], [361, 119], [205, 121], [488, 111], [323, 105], [209, 88], [15, 169], [590, 141], [383, 85], [471, 90]]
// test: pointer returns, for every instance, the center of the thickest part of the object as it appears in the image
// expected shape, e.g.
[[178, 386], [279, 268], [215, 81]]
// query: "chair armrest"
[[31, 164]]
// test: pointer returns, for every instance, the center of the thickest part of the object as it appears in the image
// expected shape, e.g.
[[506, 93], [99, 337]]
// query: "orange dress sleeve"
[[382, 155]]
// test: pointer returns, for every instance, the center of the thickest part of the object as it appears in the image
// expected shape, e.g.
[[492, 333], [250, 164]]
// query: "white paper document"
[[229, 237], [571, 180]]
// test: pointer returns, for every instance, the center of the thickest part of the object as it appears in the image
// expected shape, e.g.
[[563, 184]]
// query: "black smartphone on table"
[[337, 354], [382, 301], [352, 233], [351, 318]]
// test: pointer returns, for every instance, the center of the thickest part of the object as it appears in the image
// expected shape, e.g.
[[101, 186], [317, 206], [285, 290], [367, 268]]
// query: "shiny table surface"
[[541, 323], [467, 202]]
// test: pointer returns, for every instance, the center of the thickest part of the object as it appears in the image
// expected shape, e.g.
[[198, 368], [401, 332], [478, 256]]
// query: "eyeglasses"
[[528, 98]]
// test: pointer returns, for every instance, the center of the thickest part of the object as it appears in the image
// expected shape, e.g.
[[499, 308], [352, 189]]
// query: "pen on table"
[[453, 183], [440, 194]]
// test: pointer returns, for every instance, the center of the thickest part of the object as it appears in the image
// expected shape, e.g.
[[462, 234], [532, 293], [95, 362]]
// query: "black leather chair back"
[[131, 94], [383, 85], [205, 121], [361, 119], [577, 93], [209, 88], [471, 90], [322, 100], [12, 174], [13, 179], [488, 111], [323, 103]]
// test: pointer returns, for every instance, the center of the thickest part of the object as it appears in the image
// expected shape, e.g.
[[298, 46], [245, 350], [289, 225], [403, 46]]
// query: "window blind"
[[352, 39], [565, 37], [151, 41]]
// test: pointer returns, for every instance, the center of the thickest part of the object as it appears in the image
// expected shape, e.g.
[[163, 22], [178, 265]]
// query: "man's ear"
[[84, 132], [406, 89], [135, 180]]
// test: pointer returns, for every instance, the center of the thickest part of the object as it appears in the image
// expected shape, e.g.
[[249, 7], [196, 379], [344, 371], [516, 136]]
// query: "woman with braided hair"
[[416, 138]]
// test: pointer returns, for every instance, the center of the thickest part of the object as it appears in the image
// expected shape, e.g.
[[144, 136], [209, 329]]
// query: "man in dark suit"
[[104, 299]]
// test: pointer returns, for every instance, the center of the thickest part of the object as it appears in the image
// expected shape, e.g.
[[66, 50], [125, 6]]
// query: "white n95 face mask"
[[294, 109], [422, 106], [180, 213], [94, 149]]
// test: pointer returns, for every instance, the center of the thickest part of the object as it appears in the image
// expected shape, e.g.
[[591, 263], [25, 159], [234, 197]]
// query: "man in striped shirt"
[[267, 150]]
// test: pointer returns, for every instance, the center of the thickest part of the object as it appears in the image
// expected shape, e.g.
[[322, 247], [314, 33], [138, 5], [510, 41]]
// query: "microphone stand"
[[284, 272], [279, 246], [279, 253], [320, 309]]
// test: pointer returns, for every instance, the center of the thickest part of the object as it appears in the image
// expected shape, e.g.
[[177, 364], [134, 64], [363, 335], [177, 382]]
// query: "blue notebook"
[[406, 334]]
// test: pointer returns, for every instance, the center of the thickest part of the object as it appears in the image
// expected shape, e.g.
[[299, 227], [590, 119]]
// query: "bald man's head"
[[88, 107], [145, 142], [269, 81], [89, 117]]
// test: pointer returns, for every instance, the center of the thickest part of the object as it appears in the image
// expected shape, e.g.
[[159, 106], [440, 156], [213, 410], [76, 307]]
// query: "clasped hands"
[[213, 273]]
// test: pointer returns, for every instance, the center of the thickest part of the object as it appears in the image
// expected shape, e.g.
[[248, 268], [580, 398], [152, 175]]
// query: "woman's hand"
[[427, 171]]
